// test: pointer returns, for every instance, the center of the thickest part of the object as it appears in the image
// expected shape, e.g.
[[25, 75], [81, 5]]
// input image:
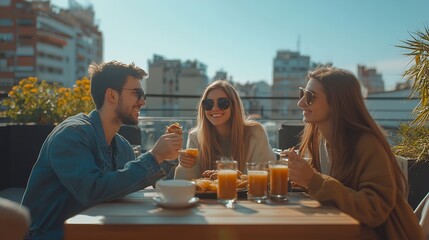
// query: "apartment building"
[[179, 81], [220, 75], [250, 93], [289, 73], [42, 40], [370, 79]]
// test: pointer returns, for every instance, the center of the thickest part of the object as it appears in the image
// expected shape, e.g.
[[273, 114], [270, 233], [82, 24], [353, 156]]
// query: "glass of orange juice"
[[227, 182], [257, 181], [279, 175]]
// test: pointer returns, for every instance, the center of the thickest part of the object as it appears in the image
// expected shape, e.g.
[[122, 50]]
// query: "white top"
[[325, 160], [258, 150]]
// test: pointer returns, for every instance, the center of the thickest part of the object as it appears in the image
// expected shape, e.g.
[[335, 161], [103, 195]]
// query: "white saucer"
[[161, 203]]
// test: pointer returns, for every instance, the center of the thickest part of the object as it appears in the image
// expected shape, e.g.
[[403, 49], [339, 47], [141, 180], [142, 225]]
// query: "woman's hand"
[[186, 160], [300, 172]]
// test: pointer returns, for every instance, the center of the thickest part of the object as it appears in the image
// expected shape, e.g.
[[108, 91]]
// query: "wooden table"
[[137, 217]]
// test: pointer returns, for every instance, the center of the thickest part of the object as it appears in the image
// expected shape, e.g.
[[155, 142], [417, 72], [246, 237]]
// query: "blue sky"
[[243, 36]]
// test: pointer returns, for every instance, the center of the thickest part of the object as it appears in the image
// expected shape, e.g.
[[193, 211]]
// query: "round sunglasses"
[[309, 95], [222, 103], [139, 91]]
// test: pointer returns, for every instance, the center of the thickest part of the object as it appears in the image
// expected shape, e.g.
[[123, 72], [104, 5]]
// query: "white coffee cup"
[[175, 190]]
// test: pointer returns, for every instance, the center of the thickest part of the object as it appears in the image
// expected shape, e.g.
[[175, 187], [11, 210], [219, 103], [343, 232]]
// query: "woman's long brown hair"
[[350, 120], [210, 147]]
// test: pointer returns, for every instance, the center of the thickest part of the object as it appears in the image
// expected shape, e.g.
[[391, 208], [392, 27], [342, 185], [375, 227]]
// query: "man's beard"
[[125, 117]]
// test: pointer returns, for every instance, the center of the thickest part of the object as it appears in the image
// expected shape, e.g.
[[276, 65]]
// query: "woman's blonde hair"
[[350, 120], [210, 147]]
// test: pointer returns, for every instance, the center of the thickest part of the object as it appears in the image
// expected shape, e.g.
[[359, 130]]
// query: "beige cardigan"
[[258, 150], [372, 198]]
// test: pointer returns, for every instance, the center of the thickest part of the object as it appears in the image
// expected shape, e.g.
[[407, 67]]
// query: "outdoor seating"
[[288, 135]]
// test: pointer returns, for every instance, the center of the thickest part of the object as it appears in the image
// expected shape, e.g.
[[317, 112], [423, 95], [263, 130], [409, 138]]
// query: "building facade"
[[289, 73], [370, 79], [42, 40], [179, 82], [256, 98]]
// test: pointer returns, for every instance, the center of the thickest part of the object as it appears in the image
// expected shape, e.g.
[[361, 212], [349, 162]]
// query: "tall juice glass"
[[279, 175], [227, 182], [257, 181]]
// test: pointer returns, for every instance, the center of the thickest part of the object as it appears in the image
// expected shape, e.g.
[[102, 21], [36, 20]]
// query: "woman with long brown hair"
[[352, 166], [223, 131]]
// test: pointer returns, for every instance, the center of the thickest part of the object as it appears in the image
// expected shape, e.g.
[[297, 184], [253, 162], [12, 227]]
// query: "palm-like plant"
[[418, 48], [413, 141]]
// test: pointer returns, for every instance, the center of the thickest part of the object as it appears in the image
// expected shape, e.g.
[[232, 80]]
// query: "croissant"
[[192, 151], [175, 128]]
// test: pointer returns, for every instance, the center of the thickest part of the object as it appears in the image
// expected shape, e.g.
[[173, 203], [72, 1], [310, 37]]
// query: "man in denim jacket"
[[84, 161]]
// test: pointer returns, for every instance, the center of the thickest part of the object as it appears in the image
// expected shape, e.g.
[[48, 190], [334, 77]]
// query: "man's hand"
[[167, 147]]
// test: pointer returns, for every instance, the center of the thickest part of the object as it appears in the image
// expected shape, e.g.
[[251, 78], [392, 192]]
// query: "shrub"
[[31, 101]]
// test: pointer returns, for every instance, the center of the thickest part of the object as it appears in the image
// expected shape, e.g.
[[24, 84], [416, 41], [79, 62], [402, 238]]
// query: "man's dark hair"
[[113, 75]]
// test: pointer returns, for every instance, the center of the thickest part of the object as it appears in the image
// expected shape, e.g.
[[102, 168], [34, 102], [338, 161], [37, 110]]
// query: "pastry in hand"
[[193, 152], [175, 128]]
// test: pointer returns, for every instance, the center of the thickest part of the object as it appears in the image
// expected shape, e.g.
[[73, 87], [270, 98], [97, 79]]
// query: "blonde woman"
[[352, 166], [223, 131]]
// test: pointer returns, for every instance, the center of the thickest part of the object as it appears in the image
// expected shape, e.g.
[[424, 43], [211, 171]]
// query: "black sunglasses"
[[139, 91], [309, 95], [222, 103]]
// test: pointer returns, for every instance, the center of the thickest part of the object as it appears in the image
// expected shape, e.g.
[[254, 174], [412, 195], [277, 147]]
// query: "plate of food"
[[208, 184]]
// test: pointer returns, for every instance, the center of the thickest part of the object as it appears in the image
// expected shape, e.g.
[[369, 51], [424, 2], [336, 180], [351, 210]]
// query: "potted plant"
[[34, 107], [413, 138]]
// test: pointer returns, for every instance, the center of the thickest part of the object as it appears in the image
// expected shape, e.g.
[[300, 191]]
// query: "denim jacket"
[[75, 170]]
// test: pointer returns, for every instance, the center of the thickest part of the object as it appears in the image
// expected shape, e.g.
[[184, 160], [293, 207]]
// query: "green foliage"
[[32, 101]]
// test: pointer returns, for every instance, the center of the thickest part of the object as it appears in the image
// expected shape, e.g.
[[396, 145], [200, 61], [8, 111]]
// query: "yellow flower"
[[28, 85], [86, 99], [41, 102]]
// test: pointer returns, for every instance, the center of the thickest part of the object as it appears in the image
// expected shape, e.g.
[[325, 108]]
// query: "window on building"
[[50, 56], [25, 51], [5, 22], [24, 68], [3, 65], [25, 37], [55, 70], [6, 82], [7, 54], [25, 22], [4, 3], [6, 37]]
